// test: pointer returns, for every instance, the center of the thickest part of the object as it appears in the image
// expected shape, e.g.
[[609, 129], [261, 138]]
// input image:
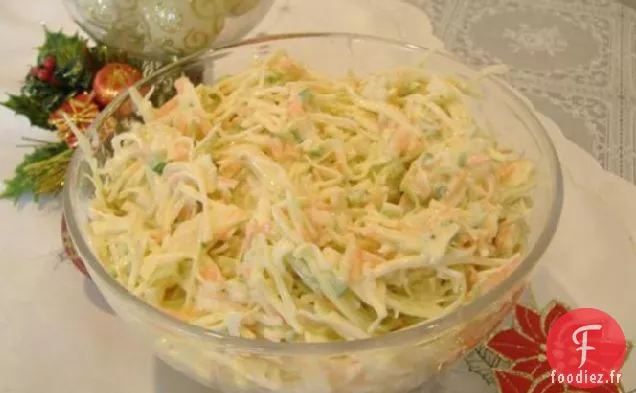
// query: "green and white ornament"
[[158, 28], [180, 27]]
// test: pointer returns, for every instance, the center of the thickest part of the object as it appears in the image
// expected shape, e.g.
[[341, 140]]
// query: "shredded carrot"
[[295, 108], [277, 148], [158, 236], [454, 195], [168, 107], [181, 152], [230, 169], [290, 150], [211, 273], [355, 269], [478, 160], [401, 141], [506, 170]]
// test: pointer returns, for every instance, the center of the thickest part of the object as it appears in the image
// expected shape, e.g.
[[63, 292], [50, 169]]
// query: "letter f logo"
[[584, 347]]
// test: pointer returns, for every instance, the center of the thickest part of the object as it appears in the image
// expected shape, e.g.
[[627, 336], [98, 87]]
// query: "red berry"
[[49, 63], [34, 72], [44, 75]]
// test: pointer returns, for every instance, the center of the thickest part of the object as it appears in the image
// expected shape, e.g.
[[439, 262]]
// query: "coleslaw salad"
[[280, 204], [283, 205]]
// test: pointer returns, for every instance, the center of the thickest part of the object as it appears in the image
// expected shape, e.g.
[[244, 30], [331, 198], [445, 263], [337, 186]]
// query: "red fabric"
[[524, 347]]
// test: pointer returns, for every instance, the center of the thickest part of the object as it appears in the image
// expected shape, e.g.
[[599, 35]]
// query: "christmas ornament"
[[60, 82], [166, 28], [102, 13], [81, 110], [181, 27], [117, 23], [62, 70], [113, 79]]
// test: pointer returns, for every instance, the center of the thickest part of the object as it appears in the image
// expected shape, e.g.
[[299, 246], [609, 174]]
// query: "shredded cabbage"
[[284, 205]]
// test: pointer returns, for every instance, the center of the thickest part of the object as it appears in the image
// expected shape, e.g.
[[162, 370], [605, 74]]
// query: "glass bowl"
[[393, 363], [161, 29]]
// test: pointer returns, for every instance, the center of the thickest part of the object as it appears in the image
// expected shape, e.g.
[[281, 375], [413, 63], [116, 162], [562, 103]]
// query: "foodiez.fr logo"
[[586, 348]]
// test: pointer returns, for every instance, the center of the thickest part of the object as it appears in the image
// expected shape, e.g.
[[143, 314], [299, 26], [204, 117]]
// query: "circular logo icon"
[[586, 348]]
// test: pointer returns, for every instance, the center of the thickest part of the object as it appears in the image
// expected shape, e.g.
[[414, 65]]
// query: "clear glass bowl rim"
[[424, 332]]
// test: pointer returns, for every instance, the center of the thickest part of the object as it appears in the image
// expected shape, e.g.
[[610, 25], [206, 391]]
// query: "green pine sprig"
[[40, 173]]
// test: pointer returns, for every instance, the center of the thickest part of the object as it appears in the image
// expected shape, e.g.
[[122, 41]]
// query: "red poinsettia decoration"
[[524, 347]]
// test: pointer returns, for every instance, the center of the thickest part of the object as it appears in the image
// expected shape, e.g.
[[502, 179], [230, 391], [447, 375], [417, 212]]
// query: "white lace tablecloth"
[[56, 333], [575, 59]]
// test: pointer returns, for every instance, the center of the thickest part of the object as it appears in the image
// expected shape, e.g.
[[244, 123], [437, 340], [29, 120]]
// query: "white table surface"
[[58, 335]]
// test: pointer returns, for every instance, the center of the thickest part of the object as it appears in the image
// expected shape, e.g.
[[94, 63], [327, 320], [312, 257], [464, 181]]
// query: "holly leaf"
[[49, 97], [65, 48], [76, 75], [40, 172], [29, 107], [74, 69]]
